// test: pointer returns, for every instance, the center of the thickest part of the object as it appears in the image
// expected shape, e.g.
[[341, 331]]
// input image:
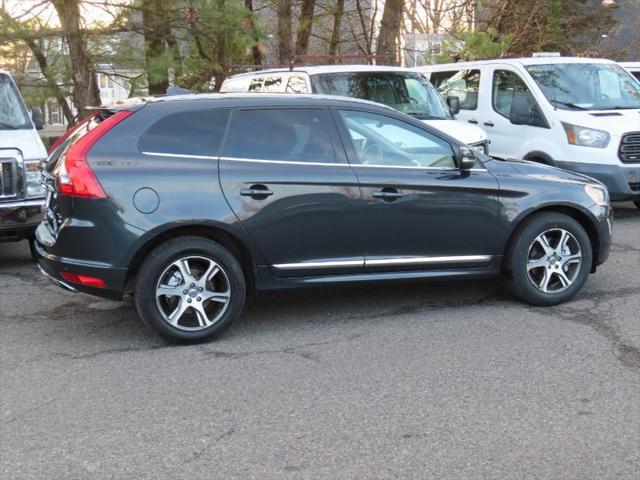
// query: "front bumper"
[[52, 265], [623, 183], [19, 219], [603, 223]]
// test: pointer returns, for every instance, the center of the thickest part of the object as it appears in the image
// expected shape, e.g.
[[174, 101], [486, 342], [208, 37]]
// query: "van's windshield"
[[586, 86], [13, 114], [404, 91]]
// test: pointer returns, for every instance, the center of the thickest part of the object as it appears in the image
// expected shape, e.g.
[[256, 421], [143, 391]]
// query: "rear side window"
[[286, 134], [463, 84], [197, 132]]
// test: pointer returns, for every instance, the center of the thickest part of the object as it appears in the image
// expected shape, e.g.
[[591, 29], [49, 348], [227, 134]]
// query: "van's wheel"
[[548, 260], [637, 204], [190, 289], [32, 248]]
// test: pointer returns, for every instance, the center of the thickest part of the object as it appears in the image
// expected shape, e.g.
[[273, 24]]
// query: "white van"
[[579, 114], [21, 150], [633, 68], [398, 88]]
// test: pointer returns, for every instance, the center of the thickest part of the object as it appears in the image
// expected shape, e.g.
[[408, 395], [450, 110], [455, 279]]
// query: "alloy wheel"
[[193, 293], [554, 260]]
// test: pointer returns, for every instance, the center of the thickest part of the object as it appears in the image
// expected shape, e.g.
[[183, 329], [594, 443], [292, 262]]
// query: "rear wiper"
[[569, 104]]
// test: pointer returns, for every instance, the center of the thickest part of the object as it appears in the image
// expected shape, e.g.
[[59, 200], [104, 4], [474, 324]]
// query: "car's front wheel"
[[549, 259], [190, 289]]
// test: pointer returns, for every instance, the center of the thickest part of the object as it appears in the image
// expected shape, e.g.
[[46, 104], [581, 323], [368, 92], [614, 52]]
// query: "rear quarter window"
[[195, 132]]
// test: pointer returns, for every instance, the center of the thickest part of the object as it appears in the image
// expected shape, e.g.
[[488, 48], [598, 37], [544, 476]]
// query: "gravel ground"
[[423, 380]]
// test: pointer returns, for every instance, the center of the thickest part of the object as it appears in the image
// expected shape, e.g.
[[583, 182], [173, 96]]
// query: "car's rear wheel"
[[637, 204], [190, 289], [548, 260]]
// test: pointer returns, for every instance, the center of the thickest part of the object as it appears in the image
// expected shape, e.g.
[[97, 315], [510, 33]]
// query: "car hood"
[[26, 141], [539, 171], [461, 131], [615, 122]]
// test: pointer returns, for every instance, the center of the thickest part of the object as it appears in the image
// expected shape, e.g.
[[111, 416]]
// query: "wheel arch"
[[571, 211], [223, 236]]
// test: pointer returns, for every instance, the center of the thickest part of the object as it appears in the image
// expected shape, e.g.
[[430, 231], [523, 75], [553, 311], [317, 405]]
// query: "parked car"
[[21, 151], [633, 68], [580, 114], [398, 88], [191, 202]]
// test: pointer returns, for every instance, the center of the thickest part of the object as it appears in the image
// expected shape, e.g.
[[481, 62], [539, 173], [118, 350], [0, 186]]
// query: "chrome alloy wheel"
[[554, 260], [193, 293]]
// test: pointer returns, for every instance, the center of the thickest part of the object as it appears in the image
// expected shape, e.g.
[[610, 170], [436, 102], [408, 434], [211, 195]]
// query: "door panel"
[[420, 212], [300, 202]]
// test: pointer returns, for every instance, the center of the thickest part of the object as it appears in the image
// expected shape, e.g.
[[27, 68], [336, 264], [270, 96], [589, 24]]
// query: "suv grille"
[[8, 178], [629, 151]]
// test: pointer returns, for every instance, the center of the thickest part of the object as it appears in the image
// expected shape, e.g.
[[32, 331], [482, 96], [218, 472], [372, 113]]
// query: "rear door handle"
[[256, 191], [488, 124], [387, 194], [473, 120]]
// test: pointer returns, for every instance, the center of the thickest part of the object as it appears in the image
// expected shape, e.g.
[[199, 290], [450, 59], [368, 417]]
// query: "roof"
[[519, 61], [317, 69], [283, 98]]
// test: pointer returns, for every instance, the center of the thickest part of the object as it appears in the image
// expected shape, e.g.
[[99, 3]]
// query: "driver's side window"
[[382, 140]]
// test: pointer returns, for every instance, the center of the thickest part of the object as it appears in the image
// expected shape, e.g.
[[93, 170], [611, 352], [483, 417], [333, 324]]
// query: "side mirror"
[[36, 117], [465, 158], [520, 112], [454, 104]]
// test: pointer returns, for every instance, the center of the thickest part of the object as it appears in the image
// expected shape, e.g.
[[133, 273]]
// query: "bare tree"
[[336, 31], [256, 54], [390, 27], [305, 24], [285, 25], [85, 86]]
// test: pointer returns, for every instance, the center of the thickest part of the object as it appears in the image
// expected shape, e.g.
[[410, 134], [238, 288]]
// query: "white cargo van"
[[579, 114], [21, 150], [633, 68], [398, 88]]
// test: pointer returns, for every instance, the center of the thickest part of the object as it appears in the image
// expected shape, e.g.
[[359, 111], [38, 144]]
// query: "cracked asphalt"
[[409, 381]]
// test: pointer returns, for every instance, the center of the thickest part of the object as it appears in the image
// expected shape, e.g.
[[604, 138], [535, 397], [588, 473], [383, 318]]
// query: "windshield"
[[587, 86], [406, 92], [13, 114]]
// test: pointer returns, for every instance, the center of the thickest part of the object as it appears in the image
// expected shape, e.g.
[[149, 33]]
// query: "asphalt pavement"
[[449, 380]]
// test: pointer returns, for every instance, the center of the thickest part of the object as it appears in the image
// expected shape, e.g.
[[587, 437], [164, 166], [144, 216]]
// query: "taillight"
[[83, 280], [76, 179]]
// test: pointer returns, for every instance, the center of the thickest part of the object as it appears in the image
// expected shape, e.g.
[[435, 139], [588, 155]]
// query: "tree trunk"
[[285, 8], [155, 28], [337, 26], [305, 26], [221, 57], [255, 50], [51, 81], [389, 35], [85, 86]]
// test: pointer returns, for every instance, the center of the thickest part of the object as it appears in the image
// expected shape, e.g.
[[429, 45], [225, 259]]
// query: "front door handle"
[[488, 124], [387, 194], [473, 120], [258, 192]]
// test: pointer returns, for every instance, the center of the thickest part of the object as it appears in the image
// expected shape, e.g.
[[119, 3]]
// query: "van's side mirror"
[[36, 117], [520, 112], [454, 104], [465, 158]]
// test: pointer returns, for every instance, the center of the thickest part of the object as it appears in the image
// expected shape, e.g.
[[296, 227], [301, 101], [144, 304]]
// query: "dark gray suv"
[[191, 202]]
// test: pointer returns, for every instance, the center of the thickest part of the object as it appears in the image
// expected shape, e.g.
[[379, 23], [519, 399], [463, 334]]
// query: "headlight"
[[586, 137], [598, 194], [33, 179]]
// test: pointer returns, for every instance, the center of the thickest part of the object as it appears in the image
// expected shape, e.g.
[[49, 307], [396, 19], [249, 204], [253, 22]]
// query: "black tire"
[[156, 265], [517, 255], [637, 204]]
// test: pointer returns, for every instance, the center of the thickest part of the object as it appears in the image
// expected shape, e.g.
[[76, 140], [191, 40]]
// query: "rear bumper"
[[18, 220], [52, 265], [623, 183]]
